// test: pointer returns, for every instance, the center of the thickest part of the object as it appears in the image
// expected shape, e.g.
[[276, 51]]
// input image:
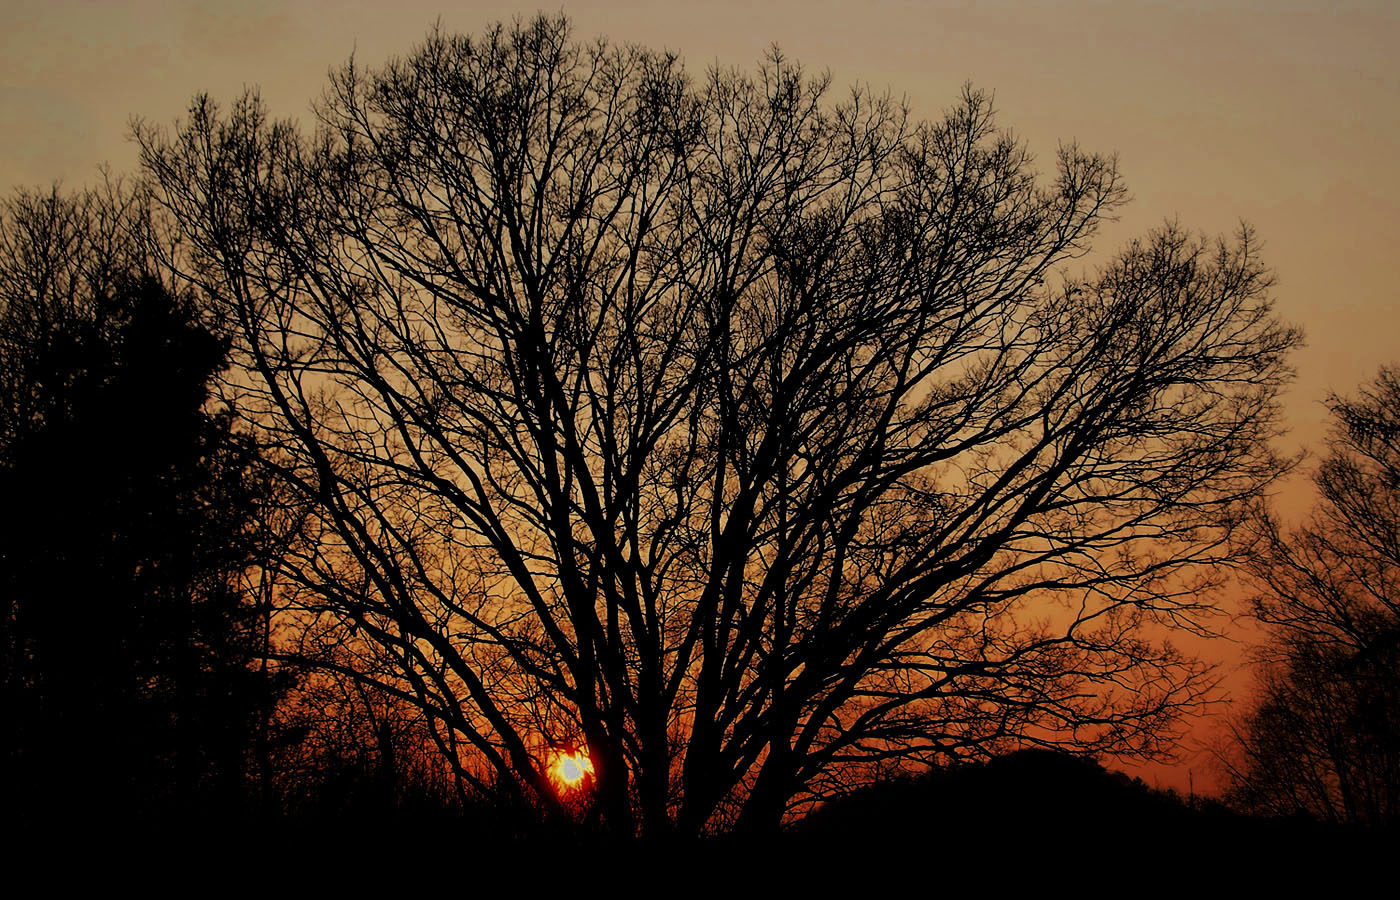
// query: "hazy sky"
[[1284, 114]]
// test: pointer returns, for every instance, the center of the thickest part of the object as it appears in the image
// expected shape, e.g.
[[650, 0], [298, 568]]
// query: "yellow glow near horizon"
[[570, 769]]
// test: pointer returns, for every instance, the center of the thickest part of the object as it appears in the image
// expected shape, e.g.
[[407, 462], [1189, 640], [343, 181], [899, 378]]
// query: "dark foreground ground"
[[1030, 818]]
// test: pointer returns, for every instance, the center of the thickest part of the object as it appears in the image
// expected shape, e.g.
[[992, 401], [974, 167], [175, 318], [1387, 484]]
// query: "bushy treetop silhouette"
[[128, 651]]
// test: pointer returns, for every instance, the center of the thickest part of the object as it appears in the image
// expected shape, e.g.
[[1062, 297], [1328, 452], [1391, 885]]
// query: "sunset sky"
[[1280, 113]]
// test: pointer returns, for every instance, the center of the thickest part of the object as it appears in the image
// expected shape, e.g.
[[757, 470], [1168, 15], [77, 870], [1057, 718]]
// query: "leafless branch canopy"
[[1323, 737], [752, 438]]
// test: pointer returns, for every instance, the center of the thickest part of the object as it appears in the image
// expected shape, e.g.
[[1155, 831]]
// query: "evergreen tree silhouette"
[[128, 649]]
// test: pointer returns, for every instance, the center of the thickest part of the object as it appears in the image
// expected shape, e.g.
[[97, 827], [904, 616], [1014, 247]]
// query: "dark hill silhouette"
[[1041, 810], [1029, 792]]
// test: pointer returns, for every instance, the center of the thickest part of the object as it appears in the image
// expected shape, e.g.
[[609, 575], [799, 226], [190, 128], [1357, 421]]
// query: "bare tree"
[[752, 440], [1323, 737]]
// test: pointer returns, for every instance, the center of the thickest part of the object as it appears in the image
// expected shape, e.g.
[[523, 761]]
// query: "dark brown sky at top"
[[1282, 113]]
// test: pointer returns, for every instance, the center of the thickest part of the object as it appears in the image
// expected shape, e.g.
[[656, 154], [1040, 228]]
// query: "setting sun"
[[570, 769]]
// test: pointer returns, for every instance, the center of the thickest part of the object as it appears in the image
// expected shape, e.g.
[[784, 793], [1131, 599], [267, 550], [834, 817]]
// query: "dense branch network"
[[1322, 737], [753, 439]]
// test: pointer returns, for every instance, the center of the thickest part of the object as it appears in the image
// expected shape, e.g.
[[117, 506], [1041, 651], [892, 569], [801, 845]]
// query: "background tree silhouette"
[[128, 649], [754, 440], [1323, 738]]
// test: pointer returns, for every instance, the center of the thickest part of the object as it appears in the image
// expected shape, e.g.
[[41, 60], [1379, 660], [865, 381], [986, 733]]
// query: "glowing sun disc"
[[572, 768]]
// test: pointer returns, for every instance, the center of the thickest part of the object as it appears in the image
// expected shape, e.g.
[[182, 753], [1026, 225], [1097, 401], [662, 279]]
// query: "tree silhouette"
[[752, 440], [127, 645], [1323, 738]]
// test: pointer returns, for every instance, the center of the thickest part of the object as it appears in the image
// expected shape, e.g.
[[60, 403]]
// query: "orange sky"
[[1282, 113]]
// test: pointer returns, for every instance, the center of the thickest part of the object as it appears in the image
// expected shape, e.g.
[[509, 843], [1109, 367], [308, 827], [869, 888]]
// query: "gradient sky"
[[1281, 113]]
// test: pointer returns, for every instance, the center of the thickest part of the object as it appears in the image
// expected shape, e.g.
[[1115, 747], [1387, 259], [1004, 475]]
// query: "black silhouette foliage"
[[128, 677]]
